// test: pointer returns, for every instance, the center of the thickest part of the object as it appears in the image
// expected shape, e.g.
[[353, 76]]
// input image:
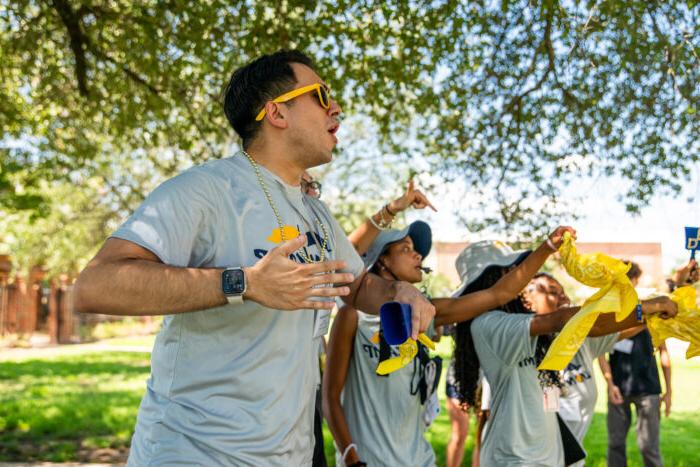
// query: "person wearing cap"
[[508, 343], [361, 239], [380, 419]]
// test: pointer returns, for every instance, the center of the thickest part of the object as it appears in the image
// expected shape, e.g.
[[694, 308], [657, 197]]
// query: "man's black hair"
[[251, 86]]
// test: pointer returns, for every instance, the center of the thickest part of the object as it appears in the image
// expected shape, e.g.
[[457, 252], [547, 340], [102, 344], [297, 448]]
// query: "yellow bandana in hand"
[[407, 352], [615, 295], [684, 326]]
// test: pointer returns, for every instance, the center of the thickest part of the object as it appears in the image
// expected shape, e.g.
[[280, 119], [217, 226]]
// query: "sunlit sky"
[[603, 217]]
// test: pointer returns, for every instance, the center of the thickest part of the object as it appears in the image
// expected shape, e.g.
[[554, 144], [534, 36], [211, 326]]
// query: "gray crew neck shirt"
[[384, 418], [231, 385], [519, 431]]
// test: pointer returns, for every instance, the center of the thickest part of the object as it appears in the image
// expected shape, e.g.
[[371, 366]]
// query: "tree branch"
[[77, 42]]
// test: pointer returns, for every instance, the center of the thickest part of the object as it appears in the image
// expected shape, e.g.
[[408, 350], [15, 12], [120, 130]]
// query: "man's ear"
[[276, 115]]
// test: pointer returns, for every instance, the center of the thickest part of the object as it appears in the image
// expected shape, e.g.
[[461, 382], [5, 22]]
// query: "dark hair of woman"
[[466, 360]]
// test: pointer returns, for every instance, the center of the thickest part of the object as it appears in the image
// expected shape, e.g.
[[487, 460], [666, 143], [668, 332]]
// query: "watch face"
[[233, 281]]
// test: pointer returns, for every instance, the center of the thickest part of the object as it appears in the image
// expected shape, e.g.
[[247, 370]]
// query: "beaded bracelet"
[[377, 226], [388, 211]]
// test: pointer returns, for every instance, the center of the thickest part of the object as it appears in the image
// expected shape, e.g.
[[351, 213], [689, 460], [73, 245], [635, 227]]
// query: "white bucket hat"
[[477, 257]]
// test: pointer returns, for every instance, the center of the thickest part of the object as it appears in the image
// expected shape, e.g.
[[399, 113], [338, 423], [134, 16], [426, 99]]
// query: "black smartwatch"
[[233, 284]]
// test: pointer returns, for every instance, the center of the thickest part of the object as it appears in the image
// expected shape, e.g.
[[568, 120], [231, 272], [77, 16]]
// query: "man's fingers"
[[337, 278], [415, 324], [329, 292], [410, 186], [318, 305], [420, 319], [290, 246], [325, 266]]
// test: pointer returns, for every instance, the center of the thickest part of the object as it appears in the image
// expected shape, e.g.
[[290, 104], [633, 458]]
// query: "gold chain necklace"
[[279, 218]]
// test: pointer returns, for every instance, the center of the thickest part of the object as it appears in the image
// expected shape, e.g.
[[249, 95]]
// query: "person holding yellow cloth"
[[379, 420], [508, 344]]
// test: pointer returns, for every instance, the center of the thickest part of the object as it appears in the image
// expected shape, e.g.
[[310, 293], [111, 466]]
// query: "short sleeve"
[[505, 335], [175, 222], [603, 344]]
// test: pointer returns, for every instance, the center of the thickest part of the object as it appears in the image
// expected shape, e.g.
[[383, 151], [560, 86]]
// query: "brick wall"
[[647, 255]]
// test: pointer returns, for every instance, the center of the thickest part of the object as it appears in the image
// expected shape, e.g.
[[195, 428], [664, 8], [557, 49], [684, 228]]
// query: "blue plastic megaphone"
[[692, 240], [396, 322]]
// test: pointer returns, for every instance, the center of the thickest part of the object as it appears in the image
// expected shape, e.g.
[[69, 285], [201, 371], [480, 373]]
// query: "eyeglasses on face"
[[311, 188], [323, 93]]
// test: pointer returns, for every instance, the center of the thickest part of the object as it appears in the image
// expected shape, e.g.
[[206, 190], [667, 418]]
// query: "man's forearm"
[[141, 287], [371, 293]]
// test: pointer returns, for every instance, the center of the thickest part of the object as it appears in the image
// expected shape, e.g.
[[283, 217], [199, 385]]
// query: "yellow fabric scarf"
[[615, 295], [686, 324], [407, 352]]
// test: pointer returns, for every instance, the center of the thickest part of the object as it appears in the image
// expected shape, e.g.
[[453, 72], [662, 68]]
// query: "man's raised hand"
[[278, 282]]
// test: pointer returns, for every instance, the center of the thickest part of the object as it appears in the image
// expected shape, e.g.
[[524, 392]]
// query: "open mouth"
[[334, 129]]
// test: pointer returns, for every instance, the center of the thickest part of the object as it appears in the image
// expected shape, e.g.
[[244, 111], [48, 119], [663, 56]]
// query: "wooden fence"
[[33, 304]]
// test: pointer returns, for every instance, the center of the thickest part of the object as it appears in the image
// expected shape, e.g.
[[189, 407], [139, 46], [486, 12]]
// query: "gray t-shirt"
[[231, 385], [579, 398], [384, 413], [519, 431]]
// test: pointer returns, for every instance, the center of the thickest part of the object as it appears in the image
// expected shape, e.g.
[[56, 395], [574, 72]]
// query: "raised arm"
[[340, 348], [362, 237], [454, 310], [126, 279]]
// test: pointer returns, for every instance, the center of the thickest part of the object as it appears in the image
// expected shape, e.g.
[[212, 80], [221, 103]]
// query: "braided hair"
[[466, 359]]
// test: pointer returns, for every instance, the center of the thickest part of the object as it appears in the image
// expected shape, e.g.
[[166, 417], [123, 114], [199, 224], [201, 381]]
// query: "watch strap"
[[235, 299]]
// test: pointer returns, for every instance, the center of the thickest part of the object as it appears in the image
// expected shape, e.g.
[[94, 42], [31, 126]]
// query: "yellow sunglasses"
[[323, 92]]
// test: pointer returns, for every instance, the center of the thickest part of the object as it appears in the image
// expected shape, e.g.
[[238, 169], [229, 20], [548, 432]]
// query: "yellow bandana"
[[685, 325], [407, 352], [615, 295]]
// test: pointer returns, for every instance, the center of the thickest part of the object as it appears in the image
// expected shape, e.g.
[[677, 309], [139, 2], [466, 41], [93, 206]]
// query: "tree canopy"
[[513, 98]]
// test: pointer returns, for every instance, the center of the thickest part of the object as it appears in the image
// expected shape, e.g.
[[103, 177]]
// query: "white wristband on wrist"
[[347, 451]]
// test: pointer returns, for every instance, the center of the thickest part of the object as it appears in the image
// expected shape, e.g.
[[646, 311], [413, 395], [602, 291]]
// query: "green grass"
[[680, 433], [56, 409], [51, 409]]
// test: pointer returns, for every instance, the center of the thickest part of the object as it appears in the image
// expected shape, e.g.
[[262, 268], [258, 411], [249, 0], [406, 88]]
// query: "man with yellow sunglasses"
[[323, 93], [244, 268]]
